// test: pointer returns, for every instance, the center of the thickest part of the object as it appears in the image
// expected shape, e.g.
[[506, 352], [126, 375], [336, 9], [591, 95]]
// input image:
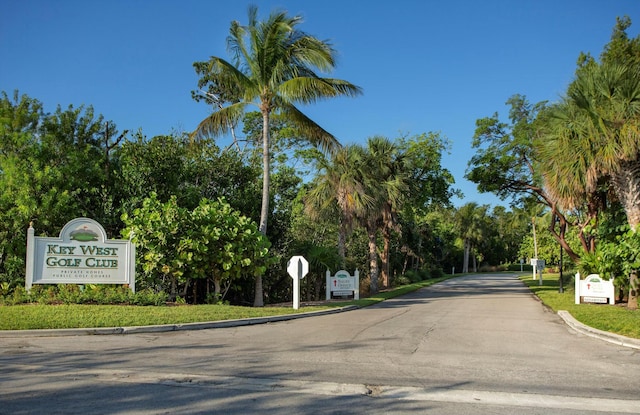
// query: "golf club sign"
[[82, 254]]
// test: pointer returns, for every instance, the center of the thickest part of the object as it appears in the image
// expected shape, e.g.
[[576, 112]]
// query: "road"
[[480, 344]]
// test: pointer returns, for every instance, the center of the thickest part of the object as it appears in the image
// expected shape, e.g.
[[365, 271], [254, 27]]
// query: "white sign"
[[297, 267], [594, 289], [82, 254], [538, 263], [343, 284]]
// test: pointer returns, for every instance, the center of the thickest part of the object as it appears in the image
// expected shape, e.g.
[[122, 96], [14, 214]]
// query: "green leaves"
[[211, 241]]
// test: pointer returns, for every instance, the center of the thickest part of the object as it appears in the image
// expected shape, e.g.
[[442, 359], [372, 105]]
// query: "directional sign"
[[297, 267]]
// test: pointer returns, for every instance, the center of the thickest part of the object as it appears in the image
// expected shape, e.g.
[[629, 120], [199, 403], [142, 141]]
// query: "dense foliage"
[[198, 210], [597, 122]]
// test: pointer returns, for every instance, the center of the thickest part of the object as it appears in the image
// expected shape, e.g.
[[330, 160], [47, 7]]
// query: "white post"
[[540, 280], [535, 270], [31, 240], [577, 283], [328, 290], [356, 292], [296, 293]]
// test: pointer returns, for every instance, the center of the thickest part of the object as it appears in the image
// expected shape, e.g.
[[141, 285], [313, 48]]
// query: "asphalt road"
[[479, 344]]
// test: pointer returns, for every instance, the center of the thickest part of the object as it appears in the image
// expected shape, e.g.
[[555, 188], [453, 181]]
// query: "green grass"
[[615, 319], [42, 316]]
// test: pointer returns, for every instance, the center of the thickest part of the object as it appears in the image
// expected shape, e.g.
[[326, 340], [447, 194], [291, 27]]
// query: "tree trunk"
[[373, 260], [384, 258], [342, 243], [465, 261], [174, 289], [632, 302], [216, 287], [626, 182], [258, 300]]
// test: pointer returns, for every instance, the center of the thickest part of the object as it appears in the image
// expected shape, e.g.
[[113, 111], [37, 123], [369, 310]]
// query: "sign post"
[[297, 267], [538, 266]]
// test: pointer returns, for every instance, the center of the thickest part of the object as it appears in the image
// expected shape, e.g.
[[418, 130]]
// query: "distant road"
[[471, 345]]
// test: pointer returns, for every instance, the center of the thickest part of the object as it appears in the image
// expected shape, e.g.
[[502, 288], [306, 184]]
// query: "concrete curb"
[[598, 334], [168, 327]]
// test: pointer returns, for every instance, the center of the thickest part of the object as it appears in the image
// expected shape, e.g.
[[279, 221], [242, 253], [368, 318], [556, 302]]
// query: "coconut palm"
[[274, 67]]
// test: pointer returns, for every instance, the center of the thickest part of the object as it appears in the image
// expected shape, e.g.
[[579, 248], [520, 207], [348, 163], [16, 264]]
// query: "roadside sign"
[[297, 267]]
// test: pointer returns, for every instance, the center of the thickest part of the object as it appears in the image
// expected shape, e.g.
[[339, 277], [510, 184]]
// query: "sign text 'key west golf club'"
[[82, 254]]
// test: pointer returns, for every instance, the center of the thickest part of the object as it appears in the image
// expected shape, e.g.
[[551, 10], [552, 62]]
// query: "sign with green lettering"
[[82, 254]]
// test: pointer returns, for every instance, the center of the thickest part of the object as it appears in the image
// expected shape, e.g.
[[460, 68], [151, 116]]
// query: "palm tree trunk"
[[626, 183], [258, 300], [342, 243], [373, 260], [465, 262], [384, 258]]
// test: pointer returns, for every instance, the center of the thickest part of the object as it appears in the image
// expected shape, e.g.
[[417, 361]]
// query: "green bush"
[[413, 276], [149, 297], [401, 280], [437, 273], [83, 294], [425, 274], [516, 267]]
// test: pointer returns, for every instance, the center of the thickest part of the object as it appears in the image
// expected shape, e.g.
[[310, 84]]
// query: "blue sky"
[[424, 65]]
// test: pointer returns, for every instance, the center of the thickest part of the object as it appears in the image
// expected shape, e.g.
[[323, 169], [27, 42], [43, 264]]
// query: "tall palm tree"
[[599, 125], [608, 98], [470, 219], [274, 67], [340, 185], [389, 178]]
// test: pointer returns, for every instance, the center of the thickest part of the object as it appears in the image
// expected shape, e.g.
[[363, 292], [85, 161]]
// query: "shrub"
[[83, 294], [437, 273], [424, 274], [413, 276], [401, 280], [149, 297]]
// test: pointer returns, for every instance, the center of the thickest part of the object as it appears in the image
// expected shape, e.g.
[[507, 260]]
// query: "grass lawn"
[[613, 318], [40, 316]]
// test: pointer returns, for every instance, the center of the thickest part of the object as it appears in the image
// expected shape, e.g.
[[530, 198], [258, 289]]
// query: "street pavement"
[[471, 345]]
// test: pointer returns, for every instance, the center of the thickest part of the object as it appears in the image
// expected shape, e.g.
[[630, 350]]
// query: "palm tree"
[[340, 185], [470, 219], [608, 98], [274, 67], [599, 125], [389, 178]]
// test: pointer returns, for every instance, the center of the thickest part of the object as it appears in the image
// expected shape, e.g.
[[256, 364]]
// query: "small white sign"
[[343, 284], [298, 267], [594, 289]]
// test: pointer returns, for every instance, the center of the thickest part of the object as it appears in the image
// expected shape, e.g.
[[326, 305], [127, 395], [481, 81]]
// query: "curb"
[[598, 334], [169, 327]]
